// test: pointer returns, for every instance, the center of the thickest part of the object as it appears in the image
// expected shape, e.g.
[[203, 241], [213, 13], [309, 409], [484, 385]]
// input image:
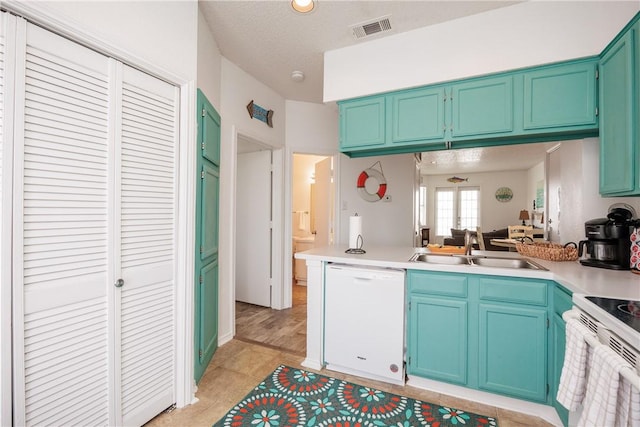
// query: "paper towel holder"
[[358, 249]]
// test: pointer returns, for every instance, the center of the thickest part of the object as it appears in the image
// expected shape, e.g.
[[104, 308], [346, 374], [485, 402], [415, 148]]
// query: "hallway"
[[284, 330]]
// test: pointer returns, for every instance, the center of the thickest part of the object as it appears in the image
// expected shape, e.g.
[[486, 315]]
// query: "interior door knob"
[[119, 283]]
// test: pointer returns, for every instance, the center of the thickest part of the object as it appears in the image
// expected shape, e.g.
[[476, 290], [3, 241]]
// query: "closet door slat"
[[62, 225], [148, 143]]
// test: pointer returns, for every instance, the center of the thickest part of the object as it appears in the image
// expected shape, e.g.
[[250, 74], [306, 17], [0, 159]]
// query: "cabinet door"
[[437, 342], [482, 107], [560, 97], [513, 350], [416, 116], [618, 143], [559, 341], [362, 123]]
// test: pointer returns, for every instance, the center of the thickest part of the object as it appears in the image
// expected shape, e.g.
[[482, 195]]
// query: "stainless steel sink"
[[506, 263], [479, 260], [440, 259]]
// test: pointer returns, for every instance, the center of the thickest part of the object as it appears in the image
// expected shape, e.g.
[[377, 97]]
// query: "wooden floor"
[[284, 330], [238, 366], [266, 338]]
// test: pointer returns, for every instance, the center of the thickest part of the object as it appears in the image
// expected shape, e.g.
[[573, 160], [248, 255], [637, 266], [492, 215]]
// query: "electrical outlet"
[[386, 198], [344, 205]]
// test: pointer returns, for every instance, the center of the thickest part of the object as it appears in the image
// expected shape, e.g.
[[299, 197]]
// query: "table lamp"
[[524, 215]]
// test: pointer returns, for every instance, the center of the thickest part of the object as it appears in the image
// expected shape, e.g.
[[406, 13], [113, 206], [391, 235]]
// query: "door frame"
[[277, 201], [287, 255]]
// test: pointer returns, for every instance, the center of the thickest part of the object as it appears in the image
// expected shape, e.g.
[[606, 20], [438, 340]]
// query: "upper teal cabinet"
[[416, 115], [481, 108], [535, 104], [362, 123], [560, 96], [620, 114]]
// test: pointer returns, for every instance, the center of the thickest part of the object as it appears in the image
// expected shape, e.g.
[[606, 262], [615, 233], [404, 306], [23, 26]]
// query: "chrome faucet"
[[468, 241]]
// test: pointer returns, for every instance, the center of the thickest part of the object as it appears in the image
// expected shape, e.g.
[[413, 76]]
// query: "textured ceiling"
[[269, 40]]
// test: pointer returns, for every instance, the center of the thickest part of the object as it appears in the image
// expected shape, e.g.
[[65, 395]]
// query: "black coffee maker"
[[607, 244]]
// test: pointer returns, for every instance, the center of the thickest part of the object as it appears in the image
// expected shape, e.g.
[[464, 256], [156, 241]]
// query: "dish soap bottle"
[[634, 261]]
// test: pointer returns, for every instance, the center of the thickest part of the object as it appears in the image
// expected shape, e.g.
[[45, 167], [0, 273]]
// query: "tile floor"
[[238, 366]]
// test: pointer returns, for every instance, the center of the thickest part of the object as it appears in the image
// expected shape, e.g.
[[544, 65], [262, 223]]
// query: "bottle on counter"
[[634, 261]]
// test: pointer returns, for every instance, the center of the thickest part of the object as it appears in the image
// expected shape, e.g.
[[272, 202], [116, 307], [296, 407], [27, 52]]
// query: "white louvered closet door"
[[61, 232], [94, 202], [147, 206]]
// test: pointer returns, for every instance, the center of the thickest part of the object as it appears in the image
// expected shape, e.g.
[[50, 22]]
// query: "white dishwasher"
[[364, 321]]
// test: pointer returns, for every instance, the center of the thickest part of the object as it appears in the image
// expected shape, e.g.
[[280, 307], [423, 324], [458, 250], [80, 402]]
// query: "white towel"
[[628, 411], [601, 400], [573, 378], [302, 220]]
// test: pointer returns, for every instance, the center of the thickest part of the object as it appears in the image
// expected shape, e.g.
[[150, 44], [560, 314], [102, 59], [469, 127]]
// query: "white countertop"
[[579, 279], [570, 274]]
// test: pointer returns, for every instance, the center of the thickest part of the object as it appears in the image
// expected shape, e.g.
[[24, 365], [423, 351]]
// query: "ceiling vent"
[[370, 28]]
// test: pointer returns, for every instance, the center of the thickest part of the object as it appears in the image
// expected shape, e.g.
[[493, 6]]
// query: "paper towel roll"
[[355, 230]]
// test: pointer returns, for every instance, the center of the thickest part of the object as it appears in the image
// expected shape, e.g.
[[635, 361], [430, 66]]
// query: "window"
[[457, 208], [422, 205]]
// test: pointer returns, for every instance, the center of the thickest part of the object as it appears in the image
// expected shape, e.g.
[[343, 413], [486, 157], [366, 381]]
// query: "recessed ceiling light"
[[297, 76], [302, 6]]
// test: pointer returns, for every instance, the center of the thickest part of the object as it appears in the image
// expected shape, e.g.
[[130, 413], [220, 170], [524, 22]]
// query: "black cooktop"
[[625, 310]]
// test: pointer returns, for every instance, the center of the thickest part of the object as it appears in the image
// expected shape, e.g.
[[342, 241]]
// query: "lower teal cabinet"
[[438, 331], [561, 303], [513, 351], [489, 333]]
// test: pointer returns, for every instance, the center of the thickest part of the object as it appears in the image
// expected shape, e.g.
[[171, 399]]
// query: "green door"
[[617, 150], [206, 264], [559, 343]]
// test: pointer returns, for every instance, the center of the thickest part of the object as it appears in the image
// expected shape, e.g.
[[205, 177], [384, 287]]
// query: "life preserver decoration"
[[382, 185]]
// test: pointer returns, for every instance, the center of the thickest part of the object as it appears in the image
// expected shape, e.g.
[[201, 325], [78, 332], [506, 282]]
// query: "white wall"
[[580, 199], [383, 223], [161, 33], [517, 36], [209, 63], [312, 128], [494, 214]]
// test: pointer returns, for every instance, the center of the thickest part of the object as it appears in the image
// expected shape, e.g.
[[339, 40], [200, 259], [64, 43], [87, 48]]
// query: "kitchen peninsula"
[[460, 321]]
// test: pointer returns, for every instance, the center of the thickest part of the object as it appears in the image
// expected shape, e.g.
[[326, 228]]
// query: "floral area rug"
[[295, 397]]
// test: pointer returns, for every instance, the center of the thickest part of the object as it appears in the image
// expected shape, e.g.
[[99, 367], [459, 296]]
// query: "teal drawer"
[[449, 284], [561, 299], [513, 289]]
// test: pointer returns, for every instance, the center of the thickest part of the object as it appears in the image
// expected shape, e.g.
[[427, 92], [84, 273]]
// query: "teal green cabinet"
[[561, 303], [437, 326], [620, 115], [484, 332], [416, 115], [513, 352], [561, 97], [362, 123], [535, 104], [482, 108], [512, 324]]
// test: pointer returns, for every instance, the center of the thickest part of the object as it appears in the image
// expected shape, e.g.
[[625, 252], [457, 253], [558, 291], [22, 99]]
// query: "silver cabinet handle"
[[119, 283]]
